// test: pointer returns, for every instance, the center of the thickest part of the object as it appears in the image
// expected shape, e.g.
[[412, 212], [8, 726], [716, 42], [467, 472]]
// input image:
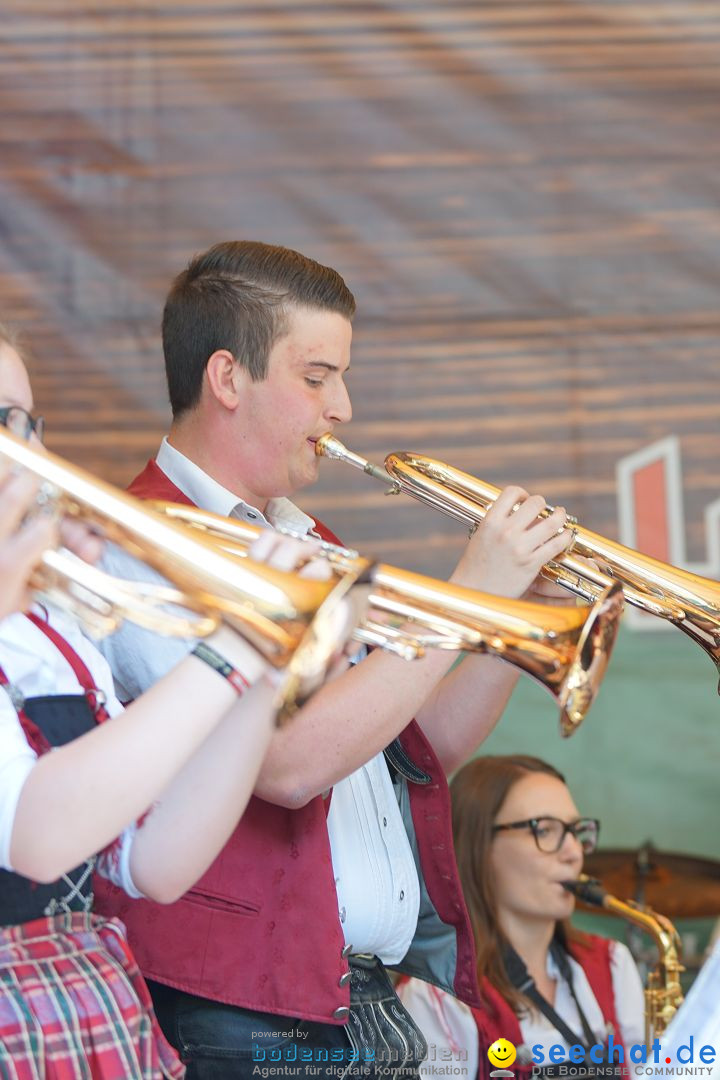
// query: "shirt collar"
[[280, 513]]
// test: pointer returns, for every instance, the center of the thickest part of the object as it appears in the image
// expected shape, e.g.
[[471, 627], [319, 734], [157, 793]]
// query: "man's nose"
[[339, 407]]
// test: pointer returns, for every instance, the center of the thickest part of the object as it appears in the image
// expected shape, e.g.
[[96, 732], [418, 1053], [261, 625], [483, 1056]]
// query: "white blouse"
[[449, 1025], [36, 667]]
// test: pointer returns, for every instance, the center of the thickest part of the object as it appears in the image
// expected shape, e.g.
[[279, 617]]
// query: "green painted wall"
[[645, 760]]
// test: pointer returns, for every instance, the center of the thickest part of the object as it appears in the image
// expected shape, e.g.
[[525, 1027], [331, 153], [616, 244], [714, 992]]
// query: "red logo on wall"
[[651, 515]]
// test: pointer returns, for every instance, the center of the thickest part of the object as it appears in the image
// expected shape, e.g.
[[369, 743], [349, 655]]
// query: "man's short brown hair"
[[237, 296]]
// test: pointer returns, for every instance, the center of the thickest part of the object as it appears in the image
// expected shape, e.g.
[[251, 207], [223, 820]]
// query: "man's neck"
[[197, 442]]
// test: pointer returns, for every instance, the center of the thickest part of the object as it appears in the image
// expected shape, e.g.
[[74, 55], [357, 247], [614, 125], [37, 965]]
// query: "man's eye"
[[314, 382]]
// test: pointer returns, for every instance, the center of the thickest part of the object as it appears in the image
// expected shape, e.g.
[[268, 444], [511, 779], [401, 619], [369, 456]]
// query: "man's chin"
[[302, 478]]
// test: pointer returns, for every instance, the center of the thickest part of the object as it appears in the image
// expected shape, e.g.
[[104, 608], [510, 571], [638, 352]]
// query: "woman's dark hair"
[[238, 296], [478, 791]]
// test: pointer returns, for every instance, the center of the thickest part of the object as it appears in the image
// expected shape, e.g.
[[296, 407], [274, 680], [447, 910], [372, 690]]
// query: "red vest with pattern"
[[497, 1019], [261, 928]]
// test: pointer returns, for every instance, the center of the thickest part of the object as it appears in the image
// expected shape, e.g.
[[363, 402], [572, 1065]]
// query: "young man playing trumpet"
[[343, 862]]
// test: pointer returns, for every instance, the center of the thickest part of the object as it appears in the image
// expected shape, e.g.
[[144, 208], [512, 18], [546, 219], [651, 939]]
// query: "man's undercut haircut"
[[238, 296]]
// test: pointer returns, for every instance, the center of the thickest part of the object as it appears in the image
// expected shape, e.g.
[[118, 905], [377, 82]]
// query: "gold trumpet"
[[565, 649], [688, 601], [663, 993], [296, 623]]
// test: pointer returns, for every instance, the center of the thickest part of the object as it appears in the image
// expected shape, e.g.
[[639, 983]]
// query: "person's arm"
[[189, 746], [78, 798], [172, 847], [354, 717]]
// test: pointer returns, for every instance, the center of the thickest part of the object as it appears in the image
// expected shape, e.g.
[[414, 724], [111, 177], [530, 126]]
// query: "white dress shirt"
[[375, 873], [448, 1024], [36, 668]]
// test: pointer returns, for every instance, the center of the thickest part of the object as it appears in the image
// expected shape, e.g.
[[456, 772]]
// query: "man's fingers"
[[81, 540], [261, 547], [288, 554], [508, 498], [527, 512], [549, 528], [317, 569]]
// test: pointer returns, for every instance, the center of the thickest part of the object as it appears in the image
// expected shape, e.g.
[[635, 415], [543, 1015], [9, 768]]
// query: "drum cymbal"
[[676, 885]]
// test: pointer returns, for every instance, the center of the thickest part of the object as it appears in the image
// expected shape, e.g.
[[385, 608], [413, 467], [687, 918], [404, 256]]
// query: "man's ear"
[[224, 378]]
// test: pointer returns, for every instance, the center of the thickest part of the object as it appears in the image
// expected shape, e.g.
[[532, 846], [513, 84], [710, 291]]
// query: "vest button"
[[344, 979], [346, 951], [341, 1013]]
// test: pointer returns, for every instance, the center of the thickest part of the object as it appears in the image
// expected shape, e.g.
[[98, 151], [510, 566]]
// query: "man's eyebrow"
[[326, 365]]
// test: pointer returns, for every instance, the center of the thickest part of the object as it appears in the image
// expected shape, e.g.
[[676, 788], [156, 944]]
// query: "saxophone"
[[663, 993]]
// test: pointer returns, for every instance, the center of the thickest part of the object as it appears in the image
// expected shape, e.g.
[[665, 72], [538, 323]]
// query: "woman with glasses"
[[518, 836]]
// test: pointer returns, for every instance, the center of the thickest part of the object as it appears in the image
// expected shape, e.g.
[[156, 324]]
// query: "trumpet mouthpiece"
[[328, 446]]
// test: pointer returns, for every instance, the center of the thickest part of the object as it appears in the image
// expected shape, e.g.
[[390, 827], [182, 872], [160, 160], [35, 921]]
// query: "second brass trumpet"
[[565, 649]]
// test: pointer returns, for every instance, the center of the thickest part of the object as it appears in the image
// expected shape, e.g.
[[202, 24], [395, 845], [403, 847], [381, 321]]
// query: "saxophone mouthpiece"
[[587, 889]]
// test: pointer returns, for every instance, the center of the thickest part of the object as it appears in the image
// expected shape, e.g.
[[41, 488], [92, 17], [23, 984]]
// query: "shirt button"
[[251, 515], [402, 894], [385, 822]]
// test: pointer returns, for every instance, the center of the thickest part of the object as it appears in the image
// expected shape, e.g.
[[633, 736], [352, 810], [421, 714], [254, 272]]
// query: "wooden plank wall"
[[522, 194]]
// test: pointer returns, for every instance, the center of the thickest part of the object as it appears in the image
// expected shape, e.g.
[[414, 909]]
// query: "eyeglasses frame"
[[533, 823], [35, 424]]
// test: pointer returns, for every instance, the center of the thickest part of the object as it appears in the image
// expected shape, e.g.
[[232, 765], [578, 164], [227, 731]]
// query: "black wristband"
[[218, 663]]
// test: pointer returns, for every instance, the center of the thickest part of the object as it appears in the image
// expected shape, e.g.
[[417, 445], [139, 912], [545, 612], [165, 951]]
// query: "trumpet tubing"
[[565, 649], [688, 601], [292, 621]]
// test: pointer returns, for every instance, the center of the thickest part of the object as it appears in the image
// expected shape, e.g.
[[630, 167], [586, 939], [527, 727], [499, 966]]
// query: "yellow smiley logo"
[[502, 1053]]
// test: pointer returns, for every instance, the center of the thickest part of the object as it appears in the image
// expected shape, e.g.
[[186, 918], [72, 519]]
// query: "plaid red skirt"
[[74, 1006]]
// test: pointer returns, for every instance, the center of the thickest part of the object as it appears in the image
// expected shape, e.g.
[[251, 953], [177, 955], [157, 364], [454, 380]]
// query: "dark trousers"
[[223, 1042]]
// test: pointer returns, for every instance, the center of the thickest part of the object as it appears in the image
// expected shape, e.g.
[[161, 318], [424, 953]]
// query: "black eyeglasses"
[[21, 423], [550, 832]]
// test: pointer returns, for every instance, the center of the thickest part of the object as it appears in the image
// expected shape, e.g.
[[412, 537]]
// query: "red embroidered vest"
[[261, 929], [497, 1019]]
